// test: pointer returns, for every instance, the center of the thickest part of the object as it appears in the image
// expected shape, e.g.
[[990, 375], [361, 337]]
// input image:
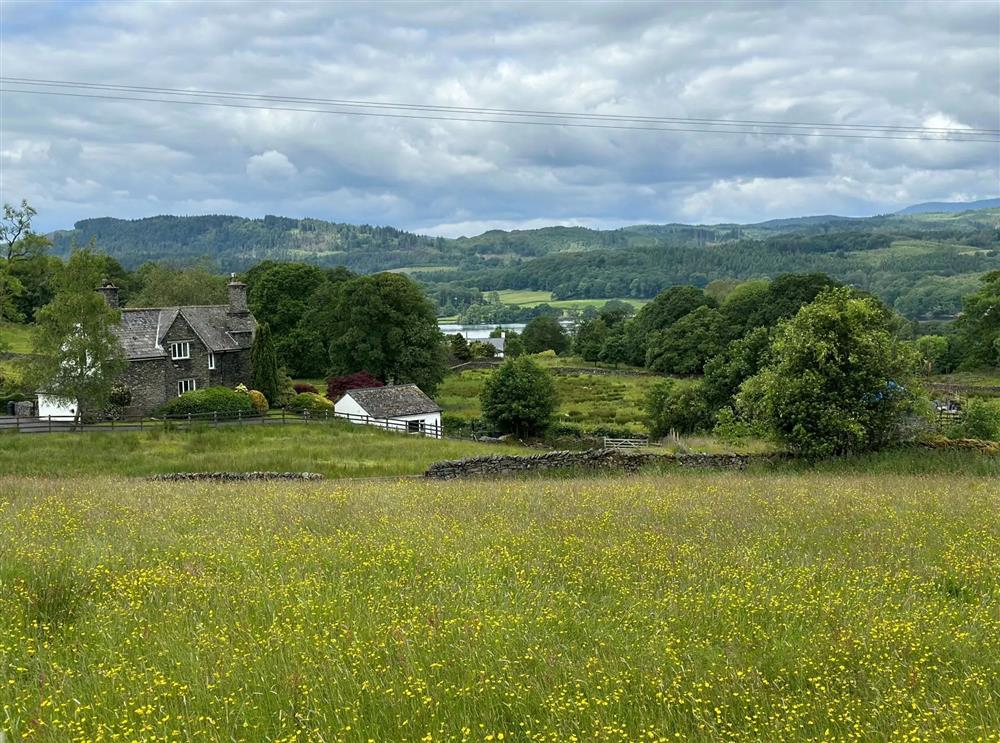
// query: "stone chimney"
[[110, 293], [237, 297]]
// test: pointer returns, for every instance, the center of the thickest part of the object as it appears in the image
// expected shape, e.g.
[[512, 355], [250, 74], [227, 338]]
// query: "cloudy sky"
[[890, 63]]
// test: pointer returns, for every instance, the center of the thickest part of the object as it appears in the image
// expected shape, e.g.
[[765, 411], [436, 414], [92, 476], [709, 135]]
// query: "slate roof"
[[141, 331], [394, 401], [497, 343]]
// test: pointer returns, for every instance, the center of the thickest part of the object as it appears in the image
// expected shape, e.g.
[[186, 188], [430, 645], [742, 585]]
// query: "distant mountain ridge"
[[948, 207]]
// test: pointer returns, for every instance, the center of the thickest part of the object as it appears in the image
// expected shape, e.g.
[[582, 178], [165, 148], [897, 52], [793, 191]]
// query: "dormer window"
[[180, 350]]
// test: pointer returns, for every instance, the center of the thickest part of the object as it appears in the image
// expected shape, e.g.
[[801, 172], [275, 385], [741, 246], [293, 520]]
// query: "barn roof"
[[394, 401], [141, 331]]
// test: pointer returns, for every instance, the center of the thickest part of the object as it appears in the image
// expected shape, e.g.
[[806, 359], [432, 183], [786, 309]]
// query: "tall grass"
[[334, 449], [732, 607]]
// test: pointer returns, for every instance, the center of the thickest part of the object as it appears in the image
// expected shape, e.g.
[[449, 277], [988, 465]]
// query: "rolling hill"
[[925, 260]]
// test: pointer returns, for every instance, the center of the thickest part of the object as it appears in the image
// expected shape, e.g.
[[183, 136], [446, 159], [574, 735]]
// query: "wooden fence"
[[69, 424]]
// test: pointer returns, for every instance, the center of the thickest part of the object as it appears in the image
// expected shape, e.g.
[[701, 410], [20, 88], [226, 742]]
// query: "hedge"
[[220, 400]]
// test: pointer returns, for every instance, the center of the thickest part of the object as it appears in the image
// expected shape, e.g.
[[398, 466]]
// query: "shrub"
[[258, 401], [337, 386], [482, 350], [980, 420], [678, 406], [310, 402], [301, 387], [119, 399], [220, 400]]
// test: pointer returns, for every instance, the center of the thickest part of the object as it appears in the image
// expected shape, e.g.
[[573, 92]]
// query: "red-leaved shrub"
[[301, 387], [337, 386]]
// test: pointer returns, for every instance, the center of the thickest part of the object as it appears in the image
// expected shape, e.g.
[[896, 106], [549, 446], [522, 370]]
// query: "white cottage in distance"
[[400, 407]]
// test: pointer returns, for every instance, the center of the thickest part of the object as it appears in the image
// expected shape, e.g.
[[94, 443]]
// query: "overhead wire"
[[432, 112]]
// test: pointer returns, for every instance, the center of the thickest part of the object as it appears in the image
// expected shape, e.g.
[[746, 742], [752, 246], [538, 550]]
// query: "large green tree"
[[78, 355], [667, 307], [687, 344], [979, 326], [838, 381], [384, 324], [166, 285], [544, 333], [519, 397], [590, 339], [22, 252]]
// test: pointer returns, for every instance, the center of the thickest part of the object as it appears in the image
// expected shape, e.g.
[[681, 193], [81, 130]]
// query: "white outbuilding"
[[398, 407], [56, 407]]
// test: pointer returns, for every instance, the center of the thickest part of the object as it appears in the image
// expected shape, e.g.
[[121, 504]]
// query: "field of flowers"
[[696, 607]]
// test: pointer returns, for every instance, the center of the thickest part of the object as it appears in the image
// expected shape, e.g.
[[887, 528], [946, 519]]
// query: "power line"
[[520, 121], [492, 111]]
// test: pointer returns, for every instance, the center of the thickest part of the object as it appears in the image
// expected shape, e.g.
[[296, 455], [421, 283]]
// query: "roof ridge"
[[173, 307]]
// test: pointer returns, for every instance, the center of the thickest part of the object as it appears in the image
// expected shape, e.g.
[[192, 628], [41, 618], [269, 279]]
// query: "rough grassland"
[[332, 449], [798, 607], [585, 399]]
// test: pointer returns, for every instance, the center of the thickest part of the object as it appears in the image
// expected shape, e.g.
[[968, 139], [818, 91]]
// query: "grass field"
[[17, 338], [984, 378], [528, 298], [585, 399], [699, 607], [331, 449]]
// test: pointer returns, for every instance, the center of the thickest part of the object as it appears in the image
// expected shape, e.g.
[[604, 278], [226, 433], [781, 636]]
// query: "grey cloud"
[[905, 63]]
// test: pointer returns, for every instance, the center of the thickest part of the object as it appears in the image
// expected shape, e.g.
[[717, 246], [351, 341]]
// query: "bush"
[[119, 399], [310, 402], [258, 401], [980, 420], [482, 350], [220, 400], [677, 406], [301, 387], [337, 386]]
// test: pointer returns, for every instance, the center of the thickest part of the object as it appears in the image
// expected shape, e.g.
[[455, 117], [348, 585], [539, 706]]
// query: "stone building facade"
[[172, 350]]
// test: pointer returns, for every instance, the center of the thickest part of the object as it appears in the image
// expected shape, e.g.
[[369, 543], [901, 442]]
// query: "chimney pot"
[[237, 297]]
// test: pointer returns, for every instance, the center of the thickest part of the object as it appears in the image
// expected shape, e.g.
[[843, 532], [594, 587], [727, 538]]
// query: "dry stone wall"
[[498, 465]]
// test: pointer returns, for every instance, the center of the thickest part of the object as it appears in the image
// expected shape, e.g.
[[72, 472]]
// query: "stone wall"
[[497, 465], [236, 476]]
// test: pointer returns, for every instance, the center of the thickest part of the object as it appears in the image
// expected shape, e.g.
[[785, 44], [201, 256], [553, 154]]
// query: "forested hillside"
[[922, 263]]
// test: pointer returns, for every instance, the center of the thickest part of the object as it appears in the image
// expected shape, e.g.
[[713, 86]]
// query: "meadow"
[[334, 449], [530, 298], [588, 400], [18, 338], [701, 607]]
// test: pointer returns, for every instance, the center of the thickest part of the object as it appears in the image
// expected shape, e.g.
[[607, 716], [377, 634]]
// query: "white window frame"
[[186, 385], [211, 360], [180, 350]]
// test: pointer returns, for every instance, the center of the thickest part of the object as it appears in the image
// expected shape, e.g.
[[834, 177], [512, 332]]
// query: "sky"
[[889, 63]]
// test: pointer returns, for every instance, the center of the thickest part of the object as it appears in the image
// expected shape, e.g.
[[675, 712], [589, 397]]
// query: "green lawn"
[[332, 449], [730, 607]]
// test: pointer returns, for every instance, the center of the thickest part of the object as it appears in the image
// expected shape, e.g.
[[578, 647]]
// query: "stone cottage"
[[172, 350]]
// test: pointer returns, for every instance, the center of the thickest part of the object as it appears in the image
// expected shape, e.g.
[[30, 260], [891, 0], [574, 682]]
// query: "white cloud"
[[270, 166]]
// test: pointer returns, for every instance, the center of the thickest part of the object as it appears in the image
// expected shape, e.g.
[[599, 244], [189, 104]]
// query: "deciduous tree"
[[838, 381], [79, 356], [519, 398]]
